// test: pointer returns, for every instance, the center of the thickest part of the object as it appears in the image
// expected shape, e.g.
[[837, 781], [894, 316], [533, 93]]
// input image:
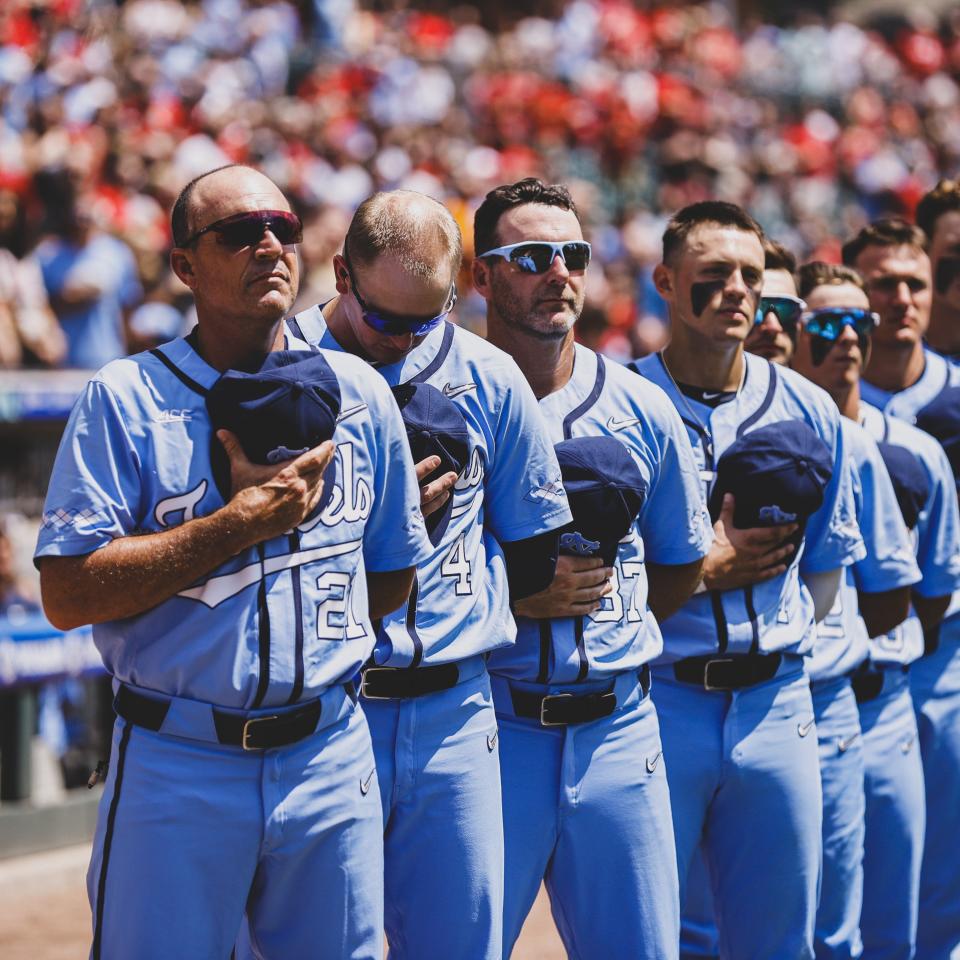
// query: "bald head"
[[415, 229], [211, 188]]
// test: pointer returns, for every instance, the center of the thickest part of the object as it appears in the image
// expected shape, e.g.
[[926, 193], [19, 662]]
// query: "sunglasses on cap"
[[537, 256], [828, 322], [396, 324], [246, 229], [787, 310]]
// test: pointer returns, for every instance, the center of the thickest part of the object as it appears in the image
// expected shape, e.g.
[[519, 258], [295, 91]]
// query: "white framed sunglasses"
[[537, 256]]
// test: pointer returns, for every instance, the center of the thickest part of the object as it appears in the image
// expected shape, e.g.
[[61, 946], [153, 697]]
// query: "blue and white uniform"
[[437, 756], [934, 682], [849, 737], [753, 782], [589, 800], [192, 831]]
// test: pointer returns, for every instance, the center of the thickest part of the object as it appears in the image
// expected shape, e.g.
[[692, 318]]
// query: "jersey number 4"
[[456, 564]]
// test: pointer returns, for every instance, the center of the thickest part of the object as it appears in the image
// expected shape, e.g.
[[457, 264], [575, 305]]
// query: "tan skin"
[[768, 339], [242, 297], [839, 375], [944, 332], [389, 284], [707, 351], [532, 317], [899, 286]]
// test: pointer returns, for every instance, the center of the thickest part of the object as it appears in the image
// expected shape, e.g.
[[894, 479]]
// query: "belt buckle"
[[544, 722], [707, 685], [364, 692], [245, 740]]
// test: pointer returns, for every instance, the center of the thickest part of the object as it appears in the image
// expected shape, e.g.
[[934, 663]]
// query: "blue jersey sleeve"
[[395, 537], [938, 529], [889, 562], [524, 494], [832, 536], [94, 490], [673, 520]]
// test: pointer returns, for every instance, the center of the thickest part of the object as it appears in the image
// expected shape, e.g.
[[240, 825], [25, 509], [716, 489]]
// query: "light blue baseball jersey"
[[279, 622], [511, 490], [603, 398], [938, 373], [842, 641], [936, 537], [775, 615]]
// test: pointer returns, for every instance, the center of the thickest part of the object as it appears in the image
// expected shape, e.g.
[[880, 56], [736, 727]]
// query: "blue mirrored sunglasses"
[[537, 256], [828, 322], [397, 324], [787, 309]]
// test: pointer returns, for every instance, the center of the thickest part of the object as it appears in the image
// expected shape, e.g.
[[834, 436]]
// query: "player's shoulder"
[[473, 351], [638, 393], [811, 403], [923, 446]]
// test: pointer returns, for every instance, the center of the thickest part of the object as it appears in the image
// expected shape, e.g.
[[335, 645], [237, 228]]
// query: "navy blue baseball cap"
[[286, 407], [941, 419], [776, 473], [605, 489], [910, 481], [435, 428]]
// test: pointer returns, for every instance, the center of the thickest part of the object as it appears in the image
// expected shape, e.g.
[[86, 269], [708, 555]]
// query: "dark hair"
[[180, 215], [943, 198], [819, 273], [717, 212], [777, 257], [501, 199], [888, 232]]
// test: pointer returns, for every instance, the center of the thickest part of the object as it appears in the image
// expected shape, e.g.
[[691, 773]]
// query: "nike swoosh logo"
[[804, 728], [844, 745], [711, 396], [653, 761], [365, 784], [614, 424], [351, 412], [492, 740], [907, 744], [450, 392]]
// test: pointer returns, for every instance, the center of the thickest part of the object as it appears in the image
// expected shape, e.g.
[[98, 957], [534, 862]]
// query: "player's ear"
[[663, 281], [341, 274], [480, 272], [182, 266]]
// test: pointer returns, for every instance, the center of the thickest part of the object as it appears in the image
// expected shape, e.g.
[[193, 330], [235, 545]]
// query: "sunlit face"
[[945, 260], [899, 285], [844, 361], [713, 286], [545, 305], [254, 284], [768, 339]]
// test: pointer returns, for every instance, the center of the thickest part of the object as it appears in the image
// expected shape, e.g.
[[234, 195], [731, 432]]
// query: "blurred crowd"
[[108, 108]]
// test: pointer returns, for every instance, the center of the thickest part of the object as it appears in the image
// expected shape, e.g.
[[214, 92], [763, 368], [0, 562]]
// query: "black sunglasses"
[[245, 229], [397, 324]]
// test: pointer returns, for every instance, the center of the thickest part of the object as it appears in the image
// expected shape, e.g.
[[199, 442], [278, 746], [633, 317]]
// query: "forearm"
[[133, 574], [930, 610], [884, 611], [670, 587], [388, 591]]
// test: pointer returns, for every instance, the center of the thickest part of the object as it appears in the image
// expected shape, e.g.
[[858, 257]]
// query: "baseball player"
[[938, 216], [428, 698], [232, 622], [585, 799], [869, 759], [774, 333], [731, 676], [902, 378]]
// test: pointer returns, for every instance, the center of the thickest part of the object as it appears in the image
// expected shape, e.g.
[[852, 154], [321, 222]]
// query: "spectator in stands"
[[938, 216], [93, 283], [29, 331]]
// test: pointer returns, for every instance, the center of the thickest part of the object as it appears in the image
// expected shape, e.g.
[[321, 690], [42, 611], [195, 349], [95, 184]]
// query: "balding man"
[[231, 608], [428, 693]]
